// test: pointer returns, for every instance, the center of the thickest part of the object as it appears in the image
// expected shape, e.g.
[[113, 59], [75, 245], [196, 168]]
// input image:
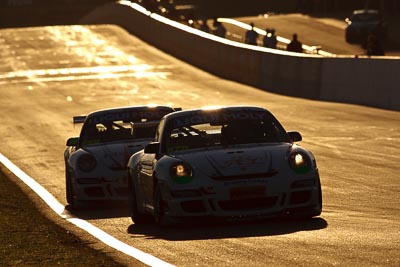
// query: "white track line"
[[58, 208]]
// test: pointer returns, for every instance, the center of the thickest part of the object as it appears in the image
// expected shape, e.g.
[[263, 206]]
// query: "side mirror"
[[295, 136], [73, 141], [152, 148]]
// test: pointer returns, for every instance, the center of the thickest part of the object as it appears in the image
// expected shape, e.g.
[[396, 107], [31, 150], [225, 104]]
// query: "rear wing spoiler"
[[79, 119], [139, 125]]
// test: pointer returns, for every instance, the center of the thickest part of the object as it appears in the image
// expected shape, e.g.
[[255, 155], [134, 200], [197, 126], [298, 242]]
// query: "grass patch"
[[29, 238]]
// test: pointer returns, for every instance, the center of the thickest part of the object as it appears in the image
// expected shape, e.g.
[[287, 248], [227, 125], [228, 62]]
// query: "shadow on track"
[[199, 229], [99, 210], [216, 230]]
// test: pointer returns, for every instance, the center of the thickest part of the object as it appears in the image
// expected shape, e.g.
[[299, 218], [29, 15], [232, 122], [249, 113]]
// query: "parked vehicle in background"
[[230, 162], [95, 162], [364, 22]]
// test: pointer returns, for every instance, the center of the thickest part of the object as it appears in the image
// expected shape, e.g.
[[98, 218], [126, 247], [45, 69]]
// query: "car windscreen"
[[223, 129], [116, 126]]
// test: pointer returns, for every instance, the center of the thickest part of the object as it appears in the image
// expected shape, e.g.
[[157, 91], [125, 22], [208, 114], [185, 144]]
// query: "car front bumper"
[[102, 188], [299, 198]]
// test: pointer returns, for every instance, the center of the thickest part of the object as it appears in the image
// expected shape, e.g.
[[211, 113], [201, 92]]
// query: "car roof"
[[129, 108], [184, 113], [365, 11]]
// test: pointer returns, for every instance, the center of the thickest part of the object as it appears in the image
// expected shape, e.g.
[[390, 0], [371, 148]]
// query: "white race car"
[[96, 161], [230, 162]]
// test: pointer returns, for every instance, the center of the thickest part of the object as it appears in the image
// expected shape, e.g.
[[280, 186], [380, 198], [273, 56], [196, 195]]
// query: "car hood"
[[115, 156], [260, 161]]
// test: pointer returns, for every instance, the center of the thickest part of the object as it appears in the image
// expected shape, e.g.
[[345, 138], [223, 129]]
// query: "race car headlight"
[[86, 162], [181, 172], [300, 162]]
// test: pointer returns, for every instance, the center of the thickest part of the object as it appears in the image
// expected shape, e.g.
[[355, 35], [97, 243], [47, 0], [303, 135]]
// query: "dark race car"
[[364, 22], [230, 162], [95, 162]]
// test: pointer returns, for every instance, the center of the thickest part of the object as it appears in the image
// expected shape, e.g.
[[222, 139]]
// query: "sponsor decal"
[[203, 118], [119, 158], [243, 161], [128, 116]]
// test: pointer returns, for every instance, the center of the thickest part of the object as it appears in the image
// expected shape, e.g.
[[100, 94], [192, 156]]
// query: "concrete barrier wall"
[[366, 81], [291, 75]]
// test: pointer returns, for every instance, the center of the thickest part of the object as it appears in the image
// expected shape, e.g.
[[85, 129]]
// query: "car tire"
[[136, 216], [349, 39], [73, 203], [160, 217], [69, 189], [318, 209]]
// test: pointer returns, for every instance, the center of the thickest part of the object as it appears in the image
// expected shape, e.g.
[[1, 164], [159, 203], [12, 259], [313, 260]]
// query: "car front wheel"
[[69, 190], [73, 203], [136, 216], [160, 217], [349, 38]]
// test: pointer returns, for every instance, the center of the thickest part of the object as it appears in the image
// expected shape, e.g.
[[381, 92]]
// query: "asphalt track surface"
[[49, 74]]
